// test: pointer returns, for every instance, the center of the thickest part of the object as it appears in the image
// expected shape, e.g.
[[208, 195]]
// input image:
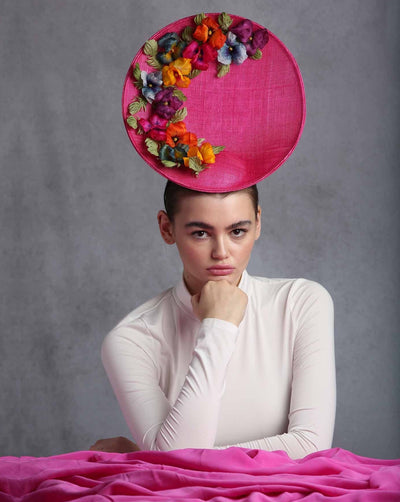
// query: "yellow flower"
[[204, 154], [207, 153], [175, 73]]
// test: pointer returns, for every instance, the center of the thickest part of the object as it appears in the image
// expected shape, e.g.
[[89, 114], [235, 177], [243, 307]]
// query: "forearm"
[[297, 444], [192, 420], [311, 415], [189, 422]]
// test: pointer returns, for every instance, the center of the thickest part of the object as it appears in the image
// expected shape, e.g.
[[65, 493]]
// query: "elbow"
[[307, 442]]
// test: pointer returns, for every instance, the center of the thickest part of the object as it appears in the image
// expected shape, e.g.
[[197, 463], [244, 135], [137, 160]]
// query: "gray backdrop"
[[79, 242]]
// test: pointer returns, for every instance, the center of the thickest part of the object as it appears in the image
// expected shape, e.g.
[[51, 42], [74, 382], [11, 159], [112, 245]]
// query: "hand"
[[114, 445], [220, 300]]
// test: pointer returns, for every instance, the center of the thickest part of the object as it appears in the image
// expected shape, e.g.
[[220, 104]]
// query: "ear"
[[258, 223], [166, 227]]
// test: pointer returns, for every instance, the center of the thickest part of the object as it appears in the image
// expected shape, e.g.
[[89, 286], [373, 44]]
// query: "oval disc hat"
[[214, 103]]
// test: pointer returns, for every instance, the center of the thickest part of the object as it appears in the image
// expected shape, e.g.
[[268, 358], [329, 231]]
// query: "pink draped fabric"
[[196, 474]]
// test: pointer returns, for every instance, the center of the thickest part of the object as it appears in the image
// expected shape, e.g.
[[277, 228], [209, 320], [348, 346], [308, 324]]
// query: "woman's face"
[[214, 236]]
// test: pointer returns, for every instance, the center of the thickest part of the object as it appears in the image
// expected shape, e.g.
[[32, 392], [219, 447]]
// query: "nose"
[[220, 249]]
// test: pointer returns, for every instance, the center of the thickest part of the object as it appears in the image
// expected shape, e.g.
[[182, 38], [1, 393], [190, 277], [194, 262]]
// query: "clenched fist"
[[118, 444], [220, 300]]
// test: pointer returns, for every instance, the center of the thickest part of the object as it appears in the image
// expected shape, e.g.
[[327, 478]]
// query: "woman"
[[223, 358]]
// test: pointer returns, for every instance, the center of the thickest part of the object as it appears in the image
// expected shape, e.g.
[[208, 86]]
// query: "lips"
[[220, 270]]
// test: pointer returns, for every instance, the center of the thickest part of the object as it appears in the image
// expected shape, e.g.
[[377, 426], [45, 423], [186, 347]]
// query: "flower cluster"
[[177, 59]]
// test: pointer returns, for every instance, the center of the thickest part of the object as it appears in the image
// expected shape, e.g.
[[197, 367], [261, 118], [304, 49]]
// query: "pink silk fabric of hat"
[[198, 474], [257, 111]]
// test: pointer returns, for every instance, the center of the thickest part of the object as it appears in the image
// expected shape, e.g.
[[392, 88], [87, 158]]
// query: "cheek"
[[246, 249], [190, 252]]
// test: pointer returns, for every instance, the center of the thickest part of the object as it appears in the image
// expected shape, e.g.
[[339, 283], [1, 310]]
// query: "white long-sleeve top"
[[267, 384]]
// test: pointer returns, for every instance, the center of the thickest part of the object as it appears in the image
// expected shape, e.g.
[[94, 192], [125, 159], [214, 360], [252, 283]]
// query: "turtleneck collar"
[[183, 297]]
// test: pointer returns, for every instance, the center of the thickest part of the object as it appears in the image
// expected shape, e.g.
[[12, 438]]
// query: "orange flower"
[[175, 73], [207, 153], [177, 133], [193, 152], [209, 31], [204, 153]]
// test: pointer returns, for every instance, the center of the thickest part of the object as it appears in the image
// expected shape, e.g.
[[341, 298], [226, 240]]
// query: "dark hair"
[[173, 193]]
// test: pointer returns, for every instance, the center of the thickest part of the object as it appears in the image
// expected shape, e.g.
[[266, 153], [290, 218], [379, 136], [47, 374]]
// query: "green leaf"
[[194, 73], [137, 73], [179, 115], [154, 62], [223, 69], [196, 165], [169, 163], [152, 146], [187, 33], [150, 47], [217, 149], [257, 55], [134, 107], [200, 141], [199, 18], [132, 122], [138, 84], [224, 20], [137, 105], [179, 94]]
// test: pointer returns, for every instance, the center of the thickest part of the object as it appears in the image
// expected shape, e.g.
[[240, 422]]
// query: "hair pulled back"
[[174, 193]]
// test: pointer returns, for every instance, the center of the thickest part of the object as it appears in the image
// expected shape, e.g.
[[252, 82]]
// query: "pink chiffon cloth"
[[199, 474]]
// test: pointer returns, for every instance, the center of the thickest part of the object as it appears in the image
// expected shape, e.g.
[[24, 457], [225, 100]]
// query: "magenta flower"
[[165, 104], [200, 55], [253, 40], [155, 126]]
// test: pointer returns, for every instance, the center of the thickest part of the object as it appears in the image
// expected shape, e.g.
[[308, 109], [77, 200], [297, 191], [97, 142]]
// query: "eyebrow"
[[206, 226]]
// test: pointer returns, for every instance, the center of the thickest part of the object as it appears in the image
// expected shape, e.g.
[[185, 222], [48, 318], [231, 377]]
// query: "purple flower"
[[165, 103], [152, 83], [170, 47], [233, 51], [253, 40]]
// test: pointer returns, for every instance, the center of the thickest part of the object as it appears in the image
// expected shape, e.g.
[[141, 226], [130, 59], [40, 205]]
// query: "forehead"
[[234, 206]]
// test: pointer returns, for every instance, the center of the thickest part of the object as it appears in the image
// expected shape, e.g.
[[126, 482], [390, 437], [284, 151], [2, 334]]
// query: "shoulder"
[[141, 325], [295, 293], [150, 309], [312, 309], [305, 291]]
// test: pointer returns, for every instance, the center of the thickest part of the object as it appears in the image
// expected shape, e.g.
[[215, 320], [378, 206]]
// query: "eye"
[[239, 232], [200, 234]]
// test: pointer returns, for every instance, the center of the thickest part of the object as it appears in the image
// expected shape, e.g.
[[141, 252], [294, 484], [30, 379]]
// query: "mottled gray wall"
[[79, 242]]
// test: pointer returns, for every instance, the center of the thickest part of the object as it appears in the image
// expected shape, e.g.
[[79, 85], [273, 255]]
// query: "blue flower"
[[170, 47], [233, 51], [152, 83], [176, 154]]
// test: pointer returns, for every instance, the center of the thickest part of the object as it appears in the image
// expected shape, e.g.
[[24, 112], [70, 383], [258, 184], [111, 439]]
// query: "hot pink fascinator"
[[214, 102]]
